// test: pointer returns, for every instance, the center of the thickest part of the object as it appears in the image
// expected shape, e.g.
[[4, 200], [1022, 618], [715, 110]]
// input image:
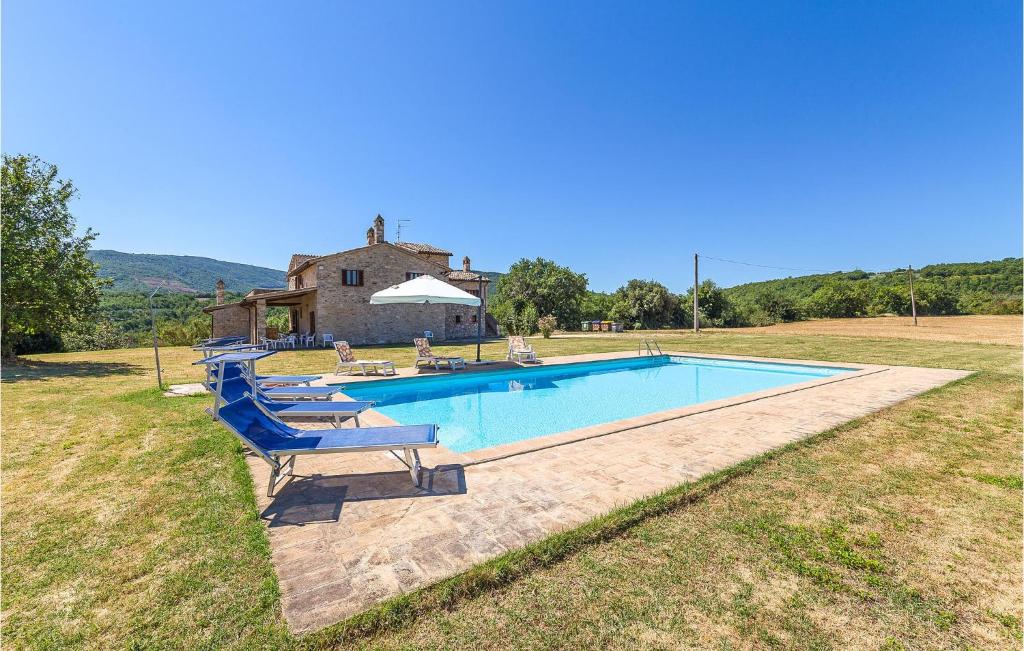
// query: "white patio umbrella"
[[424, 290], [427, 290]]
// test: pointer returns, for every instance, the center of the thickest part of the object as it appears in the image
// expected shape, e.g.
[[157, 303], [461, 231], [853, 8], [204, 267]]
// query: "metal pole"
[[696, 305], [913, 303], [479, 312], [156, 345]]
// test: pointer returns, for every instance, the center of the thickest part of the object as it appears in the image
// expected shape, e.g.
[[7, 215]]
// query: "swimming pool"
[[483, 409]]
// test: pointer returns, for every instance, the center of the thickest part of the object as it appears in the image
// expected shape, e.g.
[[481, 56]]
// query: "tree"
[[48, 283], [597, 306], [512, 322], [776, 306], [839, 299], [890, 299], [646, 302], [715, 308], [548, 287], [935, 299]]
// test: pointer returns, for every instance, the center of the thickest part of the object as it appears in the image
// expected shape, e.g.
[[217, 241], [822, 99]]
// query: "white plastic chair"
[[291, 340], [327, 338]]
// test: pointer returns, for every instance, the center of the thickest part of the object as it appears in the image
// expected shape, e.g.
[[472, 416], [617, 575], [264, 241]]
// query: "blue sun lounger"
[[279, 444], [284, 393], [297, 393], [219, 341], [338, 411], [236, 369]]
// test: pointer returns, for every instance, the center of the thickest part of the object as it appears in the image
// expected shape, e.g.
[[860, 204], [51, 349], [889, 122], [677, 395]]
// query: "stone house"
[[331, 294]]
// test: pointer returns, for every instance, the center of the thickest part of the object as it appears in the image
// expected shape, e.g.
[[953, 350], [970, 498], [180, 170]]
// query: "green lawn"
[[129, 521]]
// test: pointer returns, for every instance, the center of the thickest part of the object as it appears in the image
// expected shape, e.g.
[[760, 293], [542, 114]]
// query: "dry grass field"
[[129, 522], [983, 329]]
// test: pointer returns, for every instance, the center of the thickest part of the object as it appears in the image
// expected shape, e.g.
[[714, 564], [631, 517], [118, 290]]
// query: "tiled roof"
[[299, 258], [466, 275], [422, 248]]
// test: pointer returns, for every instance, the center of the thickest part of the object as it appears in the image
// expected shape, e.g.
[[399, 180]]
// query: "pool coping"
[[349, 531], [445, 456]]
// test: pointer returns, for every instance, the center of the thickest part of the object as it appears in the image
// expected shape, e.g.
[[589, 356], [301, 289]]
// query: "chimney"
[[220, 292], [378, 230], [465, 263], [370, 236]]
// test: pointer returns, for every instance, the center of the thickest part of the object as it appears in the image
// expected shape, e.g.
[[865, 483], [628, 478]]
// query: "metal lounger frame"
[[337, 418], [281, 470]]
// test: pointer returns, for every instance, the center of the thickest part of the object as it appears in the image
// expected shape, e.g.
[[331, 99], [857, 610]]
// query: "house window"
[[352, 277], [409, 275], [472, 318], [474, 292], [458, 318], [298, 281]]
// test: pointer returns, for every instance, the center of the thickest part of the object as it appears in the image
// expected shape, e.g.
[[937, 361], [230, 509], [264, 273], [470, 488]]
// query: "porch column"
[[260, 321]]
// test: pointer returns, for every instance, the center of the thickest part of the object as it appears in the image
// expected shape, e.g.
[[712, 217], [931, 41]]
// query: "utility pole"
[[696, 305], [913, 303], [479, 311], [156, 346]]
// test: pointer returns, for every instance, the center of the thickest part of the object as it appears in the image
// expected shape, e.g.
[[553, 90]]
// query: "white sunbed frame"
[[436, 361], [376, 365]]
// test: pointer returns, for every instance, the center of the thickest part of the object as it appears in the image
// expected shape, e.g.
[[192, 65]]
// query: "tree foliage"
[[955, 288], [646, 304], [546, 287], [597, 306], [48, 282], [776, 307], [716, 310]]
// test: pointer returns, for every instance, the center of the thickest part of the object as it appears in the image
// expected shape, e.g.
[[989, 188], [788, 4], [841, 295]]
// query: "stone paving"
[[349, 531]]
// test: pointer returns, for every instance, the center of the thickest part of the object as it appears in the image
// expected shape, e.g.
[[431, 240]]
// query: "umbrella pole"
[[479, 310]]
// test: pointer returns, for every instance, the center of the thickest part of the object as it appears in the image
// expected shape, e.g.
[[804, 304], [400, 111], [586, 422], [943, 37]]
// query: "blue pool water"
[[481, 410]]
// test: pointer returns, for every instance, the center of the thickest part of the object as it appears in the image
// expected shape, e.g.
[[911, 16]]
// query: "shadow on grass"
[[318, 498], [25, 370]]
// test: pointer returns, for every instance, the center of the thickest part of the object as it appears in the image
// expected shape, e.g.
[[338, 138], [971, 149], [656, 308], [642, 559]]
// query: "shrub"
[[526, 321], [184, 334], [95, 335], [547, 325]]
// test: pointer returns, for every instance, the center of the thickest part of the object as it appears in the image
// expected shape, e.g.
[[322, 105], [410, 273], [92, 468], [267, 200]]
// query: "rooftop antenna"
[[398, 228]]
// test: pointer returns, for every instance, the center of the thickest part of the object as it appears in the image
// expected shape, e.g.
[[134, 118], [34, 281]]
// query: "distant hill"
[[493, 276], [979, 287], [183, 273]]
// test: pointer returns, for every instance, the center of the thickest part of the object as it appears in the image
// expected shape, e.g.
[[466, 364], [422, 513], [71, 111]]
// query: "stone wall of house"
[[460, 322], [231, 321], [299, 316], [472, 287], [258, 319], [346, 312], [303, 280], [436, 258]]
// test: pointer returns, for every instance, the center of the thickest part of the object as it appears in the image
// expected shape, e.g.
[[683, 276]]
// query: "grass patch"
[[129, 521], [1013, 482]]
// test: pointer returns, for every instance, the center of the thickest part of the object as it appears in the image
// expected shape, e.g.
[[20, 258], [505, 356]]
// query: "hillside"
[[183, 273], [977, 285]]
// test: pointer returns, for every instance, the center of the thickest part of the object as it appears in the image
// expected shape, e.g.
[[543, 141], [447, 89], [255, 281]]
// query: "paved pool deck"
[[350, 531]]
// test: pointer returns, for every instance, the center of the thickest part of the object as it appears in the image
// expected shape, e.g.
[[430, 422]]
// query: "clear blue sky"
[[616, 138]]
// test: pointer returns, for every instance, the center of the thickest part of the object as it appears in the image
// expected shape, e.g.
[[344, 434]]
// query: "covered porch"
[[301, 306], [248, 317]]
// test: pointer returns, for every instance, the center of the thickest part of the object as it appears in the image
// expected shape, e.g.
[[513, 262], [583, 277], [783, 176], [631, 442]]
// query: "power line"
[[765, 266], [768, 266]]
